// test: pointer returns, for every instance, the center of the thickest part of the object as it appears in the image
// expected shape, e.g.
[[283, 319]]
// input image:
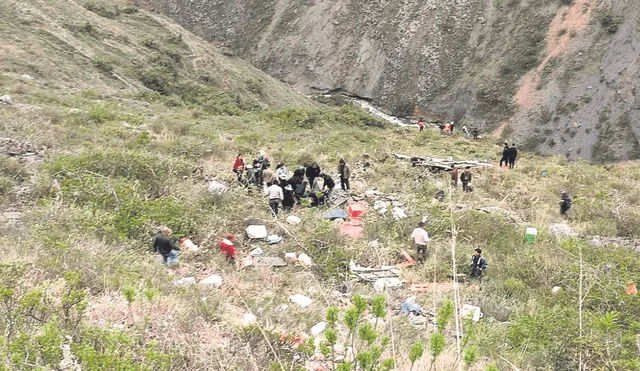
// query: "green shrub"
[[608, 21]]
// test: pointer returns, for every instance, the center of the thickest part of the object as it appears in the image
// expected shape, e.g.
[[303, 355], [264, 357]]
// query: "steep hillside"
[[557, 76], [114, 121]]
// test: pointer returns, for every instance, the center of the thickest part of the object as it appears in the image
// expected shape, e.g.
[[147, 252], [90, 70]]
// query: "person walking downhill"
[[454, 177], [238, 167], [275, 195], [421, 240], [478, 264], [163, 245], [345, 174], [565, 204], [465, 178], [506, 152], [513, 155]]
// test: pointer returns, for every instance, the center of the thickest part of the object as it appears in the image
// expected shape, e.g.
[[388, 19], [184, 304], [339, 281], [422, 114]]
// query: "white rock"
[[217, 188], [75, 111], [561, 231], [26, 77], [256, 252], [556, 289], [214, 280], [301, 300], [318, 328], [292, 219], [5, 99]]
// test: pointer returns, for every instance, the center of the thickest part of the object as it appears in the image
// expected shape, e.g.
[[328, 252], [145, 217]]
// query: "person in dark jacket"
[[298, 184], [329, 185], [312, 172], [565, 204], [454, 177], [465, 178], [506, 152], [289, 199], [513, 155], [475, 133], [478, 264], [163, 245]]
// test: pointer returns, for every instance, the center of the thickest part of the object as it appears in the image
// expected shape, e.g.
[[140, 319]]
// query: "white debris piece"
[[301, 300], [304, 259], [214, 280], [217, 188], [471, 311], [249, 319], [5, 99], [256, 252], [397, 213], [388, 282], [292, 219], [257, 232], [186, 281], [318, 328], [556, 289], [26, 77]]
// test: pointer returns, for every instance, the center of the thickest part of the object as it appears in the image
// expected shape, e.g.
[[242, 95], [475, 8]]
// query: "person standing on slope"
[[465, 178], [506, 152], [421, 240], [565, 204], [275, 194], [238, 166], [312, 172], [345, 173], [421, 124], [513, 155], [454, 177], [478, 264]]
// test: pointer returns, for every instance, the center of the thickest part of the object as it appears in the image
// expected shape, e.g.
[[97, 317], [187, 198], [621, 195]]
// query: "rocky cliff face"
[[557, 76]]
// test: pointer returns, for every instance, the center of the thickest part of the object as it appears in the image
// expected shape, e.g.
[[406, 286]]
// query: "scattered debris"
[[381, 206], [336, 214], [531, 234], [274, 239], [257, 232], [439, 196], [256, 252], [186, 281], [352, 228], [13, 147], [357, 209], [375, 244], [398, 214], [428, 287], [388, 282], [187, 244], [292, 219], [5, 99], [375, 274], [267, 261], [409, 307], [318, 328], [628, 243], [290, 257], [439, 163], [217, 188], [631, 288], [561, 231], [471, 311], [305, 259], [301, 300], [214, 280]]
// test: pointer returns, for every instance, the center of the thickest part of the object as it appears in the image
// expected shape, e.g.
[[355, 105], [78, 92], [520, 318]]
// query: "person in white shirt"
[[274, 192], [421, 239]]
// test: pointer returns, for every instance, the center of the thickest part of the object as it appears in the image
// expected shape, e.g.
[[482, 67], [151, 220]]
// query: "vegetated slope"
[[557, 76], [115, 131]]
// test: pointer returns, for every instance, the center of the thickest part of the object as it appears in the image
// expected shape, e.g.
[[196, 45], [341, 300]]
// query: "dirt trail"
[[568, 22]]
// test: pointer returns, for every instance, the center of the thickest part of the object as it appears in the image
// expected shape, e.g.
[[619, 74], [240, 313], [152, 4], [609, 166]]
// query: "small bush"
[[103, 65], [103, 11], [608, 21]]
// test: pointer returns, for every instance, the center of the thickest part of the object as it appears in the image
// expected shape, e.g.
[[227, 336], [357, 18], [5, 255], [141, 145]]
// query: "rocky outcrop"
[[557, 76]]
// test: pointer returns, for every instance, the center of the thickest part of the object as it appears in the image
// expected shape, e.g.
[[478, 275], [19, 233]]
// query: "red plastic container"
[[356, 210]]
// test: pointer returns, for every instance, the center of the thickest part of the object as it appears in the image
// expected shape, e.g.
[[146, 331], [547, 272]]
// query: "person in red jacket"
[[238, 166]]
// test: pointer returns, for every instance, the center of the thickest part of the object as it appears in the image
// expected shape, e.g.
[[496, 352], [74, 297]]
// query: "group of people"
[[509, 155], [447, 128], [421, 240], [285, 188], [465, 179]]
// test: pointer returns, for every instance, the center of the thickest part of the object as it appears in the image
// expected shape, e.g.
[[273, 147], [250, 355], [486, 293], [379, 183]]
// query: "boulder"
[[217, 188], [561, 231], [5, 99]]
